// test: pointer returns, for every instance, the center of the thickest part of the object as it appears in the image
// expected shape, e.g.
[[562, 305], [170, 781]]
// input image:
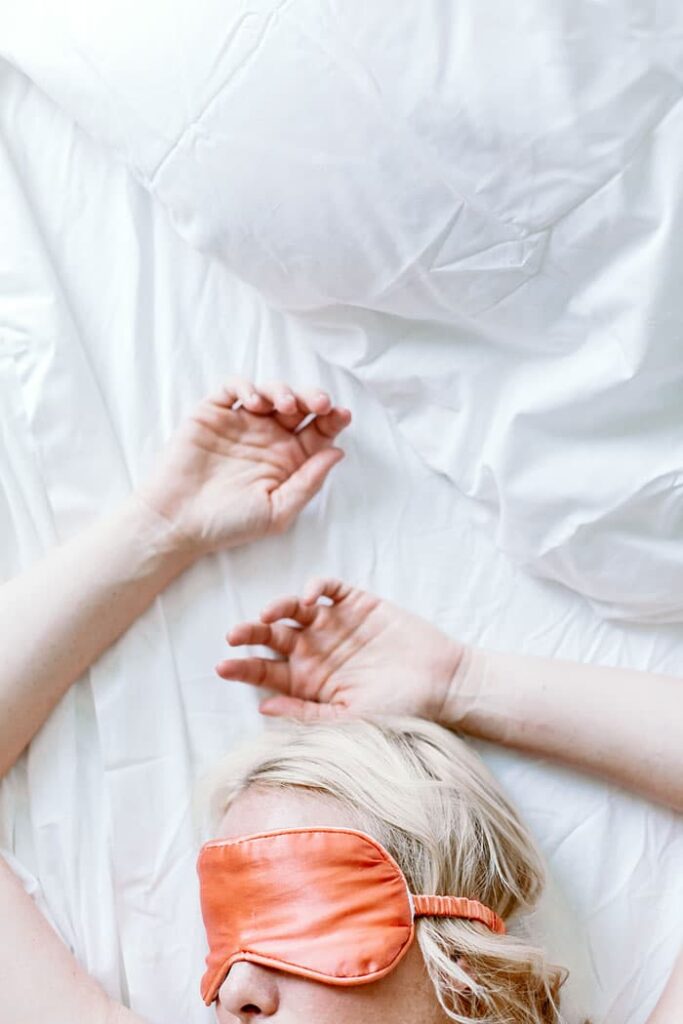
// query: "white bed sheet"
[[111, 327], [505, 176]]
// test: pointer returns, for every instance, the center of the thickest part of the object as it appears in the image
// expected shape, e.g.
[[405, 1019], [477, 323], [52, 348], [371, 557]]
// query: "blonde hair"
[[430, 801]]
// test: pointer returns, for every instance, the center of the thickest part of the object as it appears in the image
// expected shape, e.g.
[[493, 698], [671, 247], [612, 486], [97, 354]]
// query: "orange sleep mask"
[[328, 904]]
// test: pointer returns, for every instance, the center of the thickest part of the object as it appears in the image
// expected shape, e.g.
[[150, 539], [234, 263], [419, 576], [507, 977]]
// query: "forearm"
[[39, 978], [624, 725], [669, 1007], [60, 615]]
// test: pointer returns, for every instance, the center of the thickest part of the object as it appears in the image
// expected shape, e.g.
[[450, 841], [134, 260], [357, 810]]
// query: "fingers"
[[335, 589], [279, 638], [274, 396], [292, 408], [288, 608], [322, 430], [301, 609], [283, 706], [256, 671], [238, 389], [303, 403], [297, 490]]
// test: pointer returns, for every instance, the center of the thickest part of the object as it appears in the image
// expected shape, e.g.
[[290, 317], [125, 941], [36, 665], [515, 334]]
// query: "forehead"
[[265, 809]]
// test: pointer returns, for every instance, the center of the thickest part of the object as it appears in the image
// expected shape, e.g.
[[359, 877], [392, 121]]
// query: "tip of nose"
[[248, 994]]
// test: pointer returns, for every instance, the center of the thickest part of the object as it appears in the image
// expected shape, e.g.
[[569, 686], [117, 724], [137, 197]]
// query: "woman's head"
[[429, 801]]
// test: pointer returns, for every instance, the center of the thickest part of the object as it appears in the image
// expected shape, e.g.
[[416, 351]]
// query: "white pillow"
[[392, 155], [505, 178]]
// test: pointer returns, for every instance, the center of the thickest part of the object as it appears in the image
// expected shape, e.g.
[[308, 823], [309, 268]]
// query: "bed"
[[514, 467]]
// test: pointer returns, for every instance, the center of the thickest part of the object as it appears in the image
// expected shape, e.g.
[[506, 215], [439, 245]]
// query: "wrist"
[[158, 538], [463, 699], [488, 699]]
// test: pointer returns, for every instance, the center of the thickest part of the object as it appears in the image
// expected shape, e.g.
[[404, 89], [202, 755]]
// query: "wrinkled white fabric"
[[505, 177], [111, 327]]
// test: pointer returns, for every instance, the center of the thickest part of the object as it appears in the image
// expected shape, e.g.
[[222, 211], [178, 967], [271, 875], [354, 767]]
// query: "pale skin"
[[231, 475]]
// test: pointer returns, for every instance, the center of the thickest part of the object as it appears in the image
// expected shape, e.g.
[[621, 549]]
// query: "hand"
[[230, 475], [357, 655]]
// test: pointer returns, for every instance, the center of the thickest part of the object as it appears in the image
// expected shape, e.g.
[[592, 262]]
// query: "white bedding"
[[504, 177], [111, 326]]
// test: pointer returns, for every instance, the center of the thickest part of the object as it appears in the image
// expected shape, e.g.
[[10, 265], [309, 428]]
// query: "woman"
[[243, 466], [314, 794]]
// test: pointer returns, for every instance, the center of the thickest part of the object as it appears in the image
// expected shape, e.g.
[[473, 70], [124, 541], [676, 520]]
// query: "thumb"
[[291, 496], [282, 706]]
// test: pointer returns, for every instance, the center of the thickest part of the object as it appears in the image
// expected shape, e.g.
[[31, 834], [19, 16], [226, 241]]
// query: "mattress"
[[112, 324]]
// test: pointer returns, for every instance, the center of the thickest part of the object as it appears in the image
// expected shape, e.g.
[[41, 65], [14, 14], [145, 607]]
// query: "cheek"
[[406, 996]]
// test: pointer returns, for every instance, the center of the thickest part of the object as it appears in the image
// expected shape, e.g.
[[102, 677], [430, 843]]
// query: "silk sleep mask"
[[327, 904]]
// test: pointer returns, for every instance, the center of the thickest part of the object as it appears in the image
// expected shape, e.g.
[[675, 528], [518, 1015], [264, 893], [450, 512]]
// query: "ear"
[[463, 1001], [462, 986]]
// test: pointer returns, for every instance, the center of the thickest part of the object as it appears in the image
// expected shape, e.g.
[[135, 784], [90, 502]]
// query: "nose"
[[248, 994]]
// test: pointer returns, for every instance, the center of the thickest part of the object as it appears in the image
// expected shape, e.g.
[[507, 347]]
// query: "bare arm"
[[624, 725], [230, 475], [40, 980], [363, 654], [62, 613], [669, 1007]]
